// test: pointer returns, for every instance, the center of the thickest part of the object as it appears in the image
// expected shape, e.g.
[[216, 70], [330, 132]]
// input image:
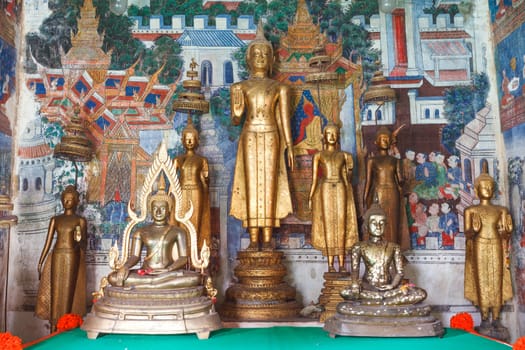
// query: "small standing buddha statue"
[[194, 180], [334, 219], [62, 270], [487, 276]]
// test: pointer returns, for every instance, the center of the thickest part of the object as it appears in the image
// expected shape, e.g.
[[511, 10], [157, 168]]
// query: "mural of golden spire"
[[302, 16], [303, 35], [86, 51]]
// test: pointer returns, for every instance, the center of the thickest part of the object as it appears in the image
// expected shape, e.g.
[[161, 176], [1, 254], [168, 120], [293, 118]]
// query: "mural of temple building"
[[35, 203], [476, 147], [420, 58], [244, 30], [212, 48], [115, 105], [35, 180]]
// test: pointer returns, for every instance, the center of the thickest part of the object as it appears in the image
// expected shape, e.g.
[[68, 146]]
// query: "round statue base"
[[261, 294], [142, 311], [383, 321]]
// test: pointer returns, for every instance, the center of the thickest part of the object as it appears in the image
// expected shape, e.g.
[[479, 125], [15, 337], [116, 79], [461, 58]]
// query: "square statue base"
[[383, 321]]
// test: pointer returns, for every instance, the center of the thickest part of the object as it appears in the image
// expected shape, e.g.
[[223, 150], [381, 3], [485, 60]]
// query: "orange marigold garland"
[[68, 321], [10, 342], [519, 344], [462, 320]]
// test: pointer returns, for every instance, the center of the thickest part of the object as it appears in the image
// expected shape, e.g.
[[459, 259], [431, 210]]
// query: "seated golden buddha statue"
[[160, 269], [380, 303], [162, 295]]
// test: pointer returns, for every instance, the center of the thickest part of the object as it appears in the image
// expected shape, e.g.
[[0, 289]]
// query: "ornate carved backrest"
[[162, 166]]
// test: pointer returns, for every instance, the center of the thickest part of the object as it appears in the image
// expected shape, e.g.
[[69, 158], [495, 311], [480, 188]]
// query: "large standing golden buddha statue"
[[487, 279], [260, 194]]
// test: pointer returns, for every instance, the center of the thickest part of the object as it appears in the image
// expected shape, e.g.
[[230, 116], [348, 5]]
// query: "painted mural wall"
[[122, 79], [9, 16], [508, 21]]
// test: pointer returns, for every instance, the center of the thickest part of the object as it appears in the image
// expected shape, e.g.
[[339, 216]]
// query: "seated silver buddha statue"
[[381, 302], [381, 283], [159, 269], [165, 293]]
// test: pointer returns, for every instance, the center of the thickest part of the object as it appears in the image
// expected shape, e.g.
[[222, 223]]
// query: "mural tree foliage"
[[54, 39], [461, 104], [165, 52]]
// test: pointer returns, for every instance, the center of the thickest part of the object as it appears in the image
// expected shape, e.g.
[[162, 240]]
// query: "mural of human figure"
[[434, 230], [507, 97], [420, 223], [438, 160], [426, 176], [409, 172], [454, 181], [449, 225]]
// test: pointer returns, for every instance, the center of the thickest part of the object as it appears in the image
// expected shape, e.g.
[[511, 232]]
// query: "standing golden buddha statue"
[[260, 194], [62, 273], [487, 279], [193, 172], [334, 219], [383, 178]]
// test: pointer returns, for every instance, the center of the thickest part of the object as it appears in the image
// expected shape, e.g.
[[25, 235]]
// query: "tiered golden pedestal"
[[261, 293], [334, 283]]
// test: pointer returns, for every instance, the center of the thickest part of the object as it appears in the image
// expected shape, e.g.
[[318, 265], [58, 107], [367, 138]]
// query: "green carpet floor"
[[286, 338]]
